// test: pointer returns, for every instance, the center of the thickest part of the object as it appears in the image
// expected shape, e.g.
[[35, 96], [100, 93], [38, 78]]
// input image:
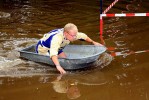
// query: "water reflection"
[[71, 84], [66, 86]]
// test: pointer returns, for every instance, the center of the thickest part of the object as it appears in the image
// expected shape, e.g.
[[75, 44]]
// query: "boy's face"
[[71, 35]]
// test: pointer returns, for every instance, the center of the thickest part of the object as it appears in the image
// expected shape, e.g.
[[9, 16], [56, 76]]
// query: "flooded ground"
[[123, 76]]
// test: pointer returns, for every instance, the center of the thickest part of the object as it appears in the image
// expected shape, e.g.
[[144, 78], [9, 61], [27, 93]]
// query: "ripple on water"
[[4, 15], [21, 68]]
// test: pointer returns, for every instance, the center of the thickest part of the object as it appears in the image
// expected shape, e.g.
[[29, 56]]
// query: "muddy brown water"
[[123, 77]]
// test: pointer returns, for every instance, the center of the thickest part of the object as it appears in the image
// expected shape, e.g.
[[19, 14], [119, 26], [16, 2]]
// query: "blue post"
[[100, 6]]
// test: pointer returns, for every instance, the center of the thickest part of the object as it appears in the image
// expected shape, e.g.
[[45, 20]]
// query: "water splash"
[[12, 66], [6, 63], [104, 60]]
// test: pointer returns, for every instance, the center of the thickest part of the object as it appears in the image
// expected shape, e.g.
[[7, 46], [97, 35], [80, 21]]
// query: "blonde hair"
[[70, 26]]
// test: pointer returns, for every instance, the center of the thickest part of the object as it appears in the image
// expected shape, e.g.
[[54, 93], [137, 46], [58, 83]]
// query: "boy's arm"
[[83, 36], [55, 45], [93, 42], [57, 64]]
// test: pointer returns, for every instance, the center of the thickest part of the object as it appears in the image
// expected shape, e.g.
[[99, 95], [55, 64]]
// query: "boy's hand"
[[60, 69], [96, 43]]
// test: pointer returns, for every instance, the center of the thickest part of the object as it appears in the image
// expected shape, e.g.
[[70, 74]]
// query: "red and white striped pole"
[[125, 15], [101, 24], [119, 15], [101, 20], [110, 6], [129, 53]]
